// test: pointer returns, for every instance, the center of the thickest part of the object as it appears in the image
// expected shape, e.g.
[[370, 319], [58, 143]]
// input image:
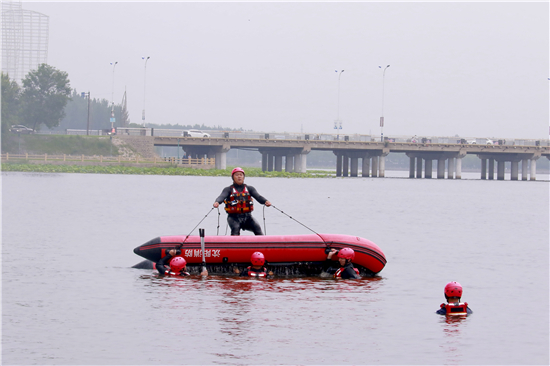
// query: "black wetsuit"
[[243, 221], [163, 264], [347, 273]]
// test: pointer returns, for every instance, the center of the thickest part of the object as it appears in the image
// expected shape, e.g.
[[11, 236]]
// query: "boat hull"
[[279, 250]]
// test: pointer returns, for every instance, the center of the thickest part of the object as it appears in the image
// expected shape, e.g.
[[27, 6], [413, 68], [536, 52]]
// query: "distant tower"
[[24, 40]]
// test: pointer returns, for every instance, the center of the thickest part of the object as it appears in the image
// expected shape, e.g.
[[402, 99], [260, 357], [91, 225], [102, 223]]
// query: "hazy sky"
[[469, 69]]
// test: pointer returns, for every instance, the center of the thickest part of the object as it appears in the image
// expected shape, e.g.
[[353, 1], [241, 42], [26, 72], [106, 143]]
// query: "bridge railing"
[[336, 136]]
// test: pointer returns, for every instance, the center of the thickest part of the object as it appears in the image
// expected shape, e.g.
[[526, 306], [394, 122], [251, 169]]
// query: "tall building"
[[24, 40]]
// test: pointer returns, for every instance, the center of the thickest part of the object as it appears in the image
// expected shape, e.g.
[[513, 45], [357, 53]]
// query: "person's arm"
[[225, 194], [161, 264], [261, 199], [348, 273], [327, 266]]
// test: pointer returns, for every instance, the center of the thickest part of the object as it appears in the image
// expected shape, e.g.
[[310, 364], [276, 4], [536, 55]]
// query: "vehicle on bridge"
[[195, 133], [475, 142]]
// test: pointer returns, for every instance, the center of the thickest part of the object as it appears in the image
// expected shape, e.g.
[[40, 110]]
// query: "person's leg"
[[234, 225], [252, 225]]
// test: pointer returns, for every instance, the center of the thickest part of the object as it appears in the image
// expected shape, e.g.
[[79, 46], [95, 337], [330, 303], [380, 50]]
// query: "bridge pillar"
[[483, 168], [221, 160], [382, 165], [492, 169], [345, 165], [297, 163], [428, 168], [500, 169], [534, 169], [289, 163], [304, 160], [411, 166], [419, 167], [514, 170], [441, 168], [524, 164], [375, 166], [450, 168], [366, 166], [278, 163], [338, 163], [264, 161], [269, 162], [458, 168], [354, 168], [220, 155]]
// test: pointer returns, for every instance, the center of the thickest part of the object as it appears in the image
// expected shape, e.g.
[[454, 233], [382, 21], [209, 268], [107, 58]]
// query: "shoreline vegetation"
[[171, 170]]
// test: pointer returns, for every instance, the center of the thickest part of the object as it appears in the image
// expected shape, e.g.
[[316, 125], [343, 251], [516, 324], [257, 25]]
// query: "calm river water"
[[70, 296]]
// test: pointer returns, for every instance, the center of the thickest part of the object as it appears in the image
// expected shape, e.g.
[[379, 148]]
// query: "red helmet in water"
[[177, 264], [346, 253], [237, 169], [257, 259], [453, 289]]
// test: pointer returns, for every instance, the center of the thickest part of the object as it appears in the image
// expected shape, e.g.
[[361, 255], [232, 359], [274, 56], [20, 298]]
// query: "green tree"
[[46, 91], [10, 103]]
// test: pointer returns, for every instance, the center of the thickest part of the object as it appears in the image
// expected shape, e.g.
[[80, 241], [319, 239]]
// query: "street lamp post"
[[113, 99], [382, 115], [87, 95], [338, 123], [144, 80]]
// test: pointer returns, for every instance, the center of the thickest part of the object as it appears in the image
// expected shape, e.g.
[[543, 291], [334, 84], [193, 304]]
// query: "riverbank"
[[168, 170]]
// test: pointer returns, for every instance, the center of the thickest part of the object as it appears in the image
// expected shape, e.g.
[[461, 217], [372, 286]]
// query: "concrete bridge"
[[291, 152]]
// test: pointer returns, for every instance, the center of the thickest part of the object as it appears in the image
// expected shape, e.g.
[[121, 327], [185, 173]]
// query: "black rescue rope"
[[218, 228], [265, 230], [196, 226], [301, 224]]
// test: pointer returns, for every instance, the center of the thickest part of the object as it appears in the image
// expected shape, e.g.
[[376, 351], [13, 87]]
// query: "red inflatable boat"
[[296, 254]]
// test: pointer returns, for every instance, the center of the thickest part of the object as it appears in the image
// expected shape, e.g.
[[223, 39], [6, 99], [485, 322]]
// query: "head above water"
[[257, 259], [453, 289], [177, 264]]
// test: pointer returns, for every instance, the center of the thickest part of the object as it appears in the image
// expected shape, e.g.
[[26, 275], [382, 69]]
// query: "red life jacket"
[[239, 202], [251, 272], [456, 309], [341, 269]]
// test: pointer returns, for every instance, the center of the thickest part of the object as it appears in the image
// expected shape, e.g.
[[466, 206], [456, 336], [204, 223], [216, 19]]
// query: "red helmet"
[[453, 289], [346, 253], [177, 264], [257, 259], [237, 169]]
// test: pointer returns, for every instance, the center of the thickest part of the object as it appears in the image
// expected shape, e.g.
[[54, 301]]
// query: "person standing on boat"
[[346, 270], [177, 264], [453, 293], [239, 204], [257, 268]]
